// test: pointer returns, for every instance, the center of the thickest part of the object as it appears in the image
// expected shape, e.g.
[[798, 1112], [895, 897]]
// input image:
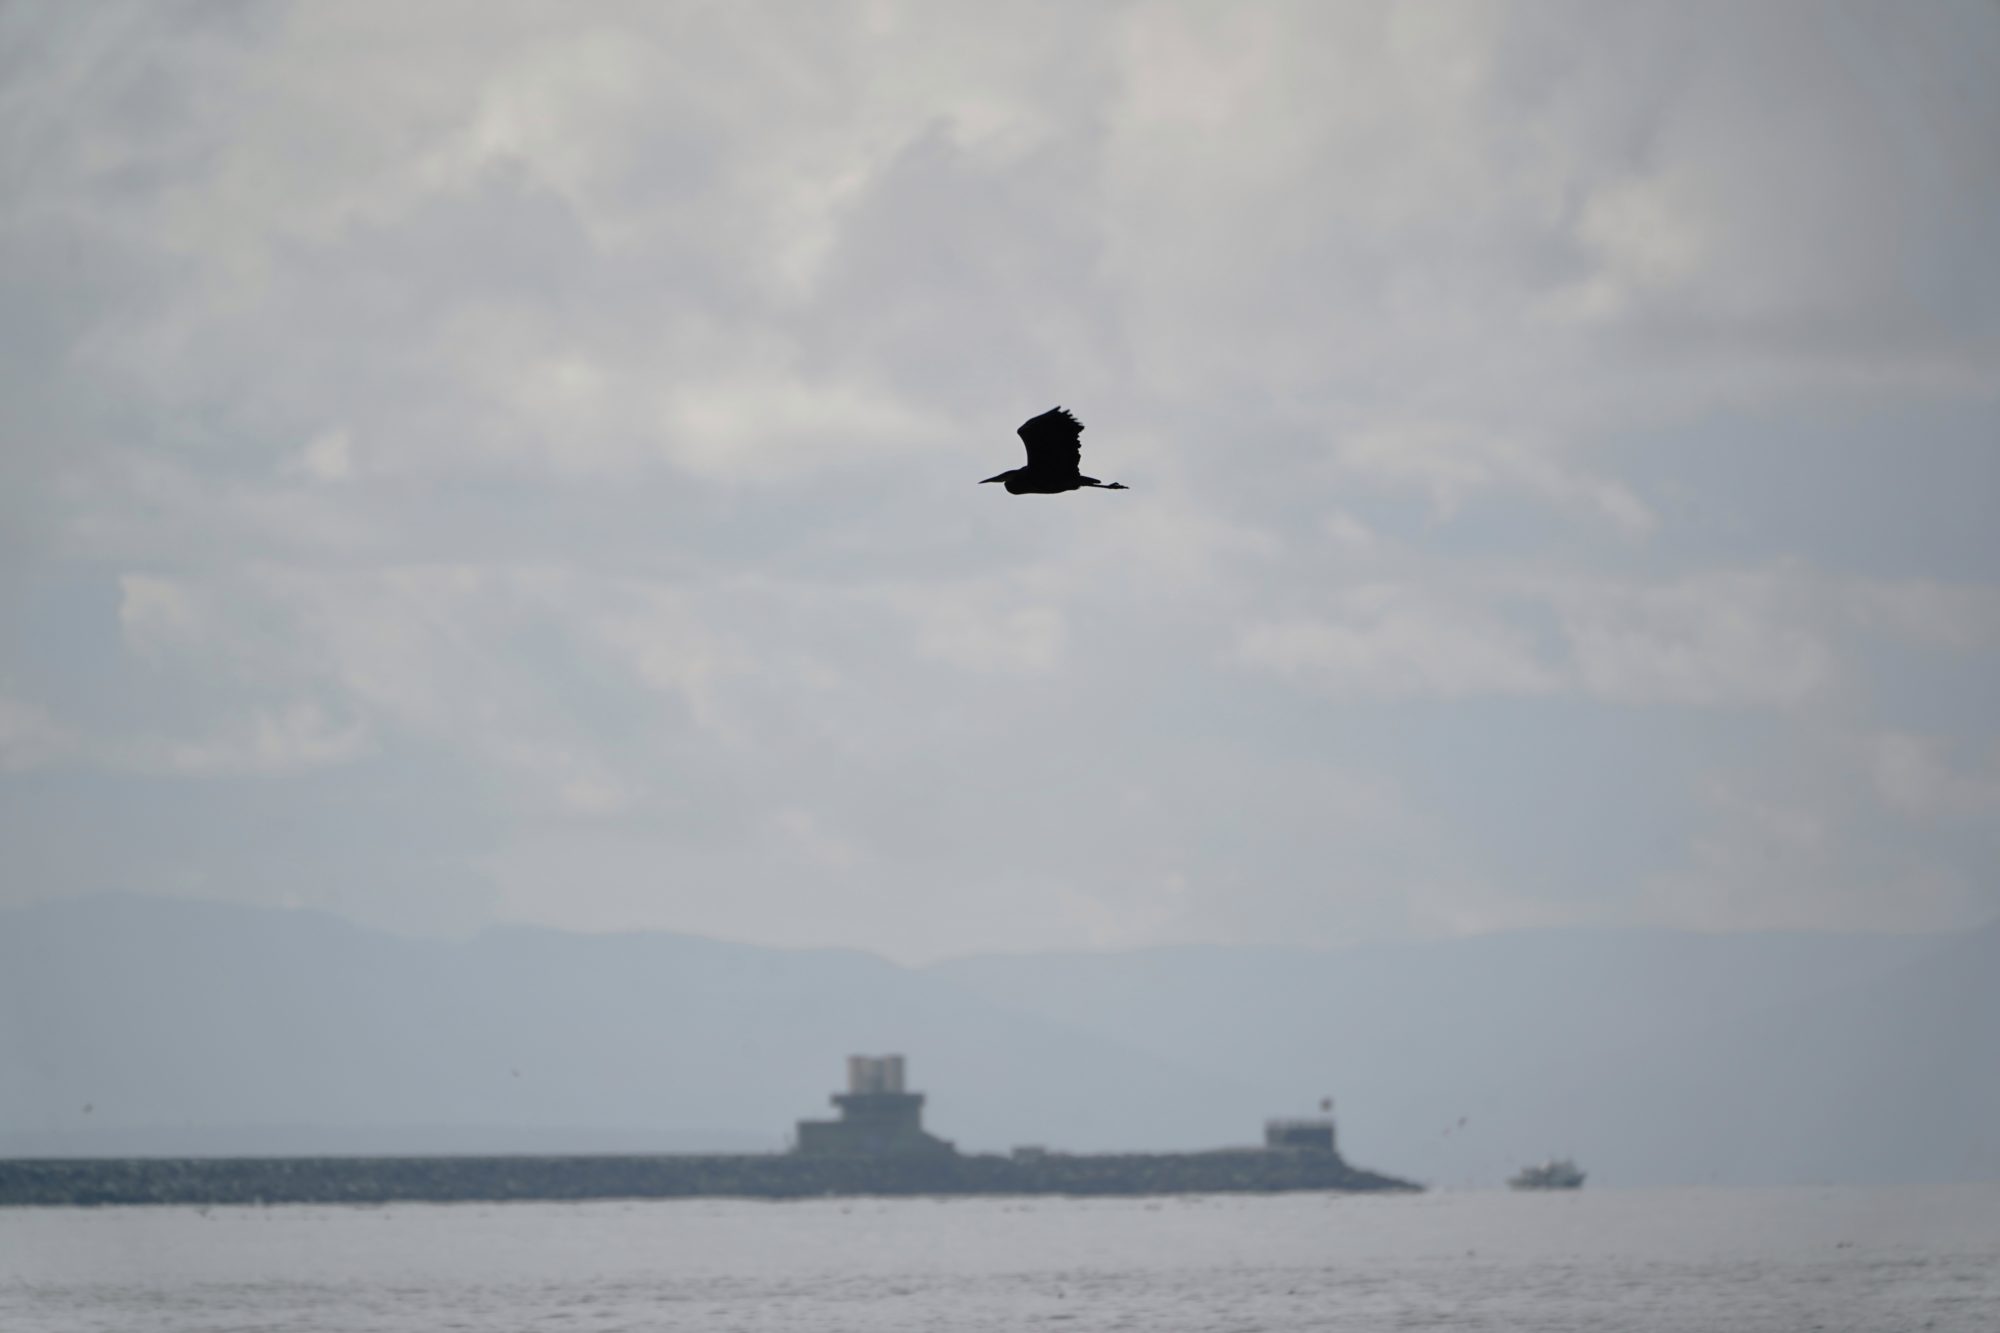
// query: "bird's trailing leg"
[[1105, 485]]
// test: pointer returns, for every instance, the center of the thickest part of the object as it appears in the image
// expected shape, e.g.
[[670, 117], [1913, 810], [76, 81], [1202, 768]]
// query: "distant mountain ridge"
[[191, 1016], [1654, 1057], [1651, 1056]]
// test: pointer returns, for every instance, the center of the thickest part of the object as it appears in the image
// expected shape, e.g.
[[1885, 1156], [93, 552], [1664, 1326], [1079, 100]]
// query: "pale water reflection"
[[1836, 1259]]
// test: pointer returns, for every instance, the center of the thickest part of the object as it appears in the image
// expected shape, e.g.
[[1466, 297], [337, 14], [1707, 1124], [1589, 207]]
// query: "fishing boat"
[[1558, 1173]]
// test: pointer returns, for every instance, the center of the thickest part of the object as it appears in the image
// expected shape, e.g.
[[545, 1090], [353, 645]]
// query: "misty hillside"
[[177, 1017], [1652, 1056]]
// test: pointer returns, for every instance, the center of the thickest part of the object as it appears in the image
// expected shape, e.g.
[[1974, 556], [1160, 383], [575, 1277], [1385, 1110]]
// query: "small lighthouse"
[[878, 1117]]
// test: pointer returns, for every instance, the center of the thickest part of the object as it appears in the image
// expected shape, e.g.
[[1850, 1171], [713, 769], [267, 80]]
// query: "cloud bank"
[[477, 462]]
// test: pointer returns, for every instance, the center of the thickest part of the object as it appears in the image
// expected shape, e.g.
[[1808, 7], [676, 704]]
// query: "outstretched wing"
[[1054, 440]]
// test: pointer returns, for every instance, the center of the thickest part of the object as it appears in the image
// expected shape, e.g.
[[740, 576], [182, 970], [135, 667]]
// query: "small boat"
[[1558, 1173]]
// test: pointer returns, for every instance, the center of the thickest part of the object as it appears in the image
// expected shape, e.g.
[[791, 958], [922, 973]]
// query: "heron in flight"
[[1055, 450]]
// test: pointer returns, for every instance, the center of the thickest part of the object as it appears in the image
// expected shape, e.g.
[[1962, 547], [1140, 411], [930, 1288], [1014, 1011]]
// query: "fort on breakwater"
[[878, 1145]]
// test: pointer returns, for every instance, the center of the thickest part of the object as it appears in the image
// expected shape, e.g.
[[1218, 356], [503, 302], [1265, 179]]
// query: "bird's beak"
[[1001, 477]]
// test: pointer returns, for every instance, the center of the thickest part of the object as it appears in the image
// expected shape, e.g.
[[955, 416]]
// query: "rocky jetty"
[[878, 1145], [377, 1180]]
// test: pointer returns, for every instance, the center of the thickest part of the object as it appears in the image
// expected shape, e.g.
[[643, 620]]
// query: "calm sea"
[[1708, 1260]]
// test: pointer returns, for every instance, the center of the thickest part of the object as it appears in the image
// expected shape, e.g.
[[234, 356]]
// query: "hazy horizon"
[[464, 930], [134, 1025]]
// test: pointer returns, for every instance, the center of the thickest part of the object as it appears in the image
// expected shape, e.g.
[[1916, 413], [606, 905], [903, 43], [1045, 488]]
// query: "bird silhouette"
[[1055, 449]]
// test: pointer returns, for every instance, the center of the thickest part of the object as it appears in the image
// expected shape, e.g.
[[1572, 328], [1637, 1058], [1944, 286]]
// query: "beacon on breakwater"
[[877, 1146]]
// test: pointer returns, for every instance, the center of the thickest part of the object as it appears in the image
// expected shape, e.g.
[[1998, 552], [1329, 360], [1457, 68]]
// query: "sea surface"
[[1714, 1260]]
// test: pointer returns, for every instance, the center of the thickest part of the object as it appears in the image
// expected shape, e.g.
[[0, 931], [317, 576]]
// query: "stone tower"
[[877, 1116]]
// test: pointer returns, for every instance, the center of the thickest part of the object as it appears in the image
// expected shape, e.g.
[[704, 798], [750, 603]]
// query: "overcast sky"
[[477, 462]]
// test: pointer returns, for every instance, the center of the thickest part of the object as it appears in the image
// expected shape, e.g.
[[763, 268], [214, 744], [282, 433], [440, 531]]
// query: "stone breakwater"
[[376, 1180]]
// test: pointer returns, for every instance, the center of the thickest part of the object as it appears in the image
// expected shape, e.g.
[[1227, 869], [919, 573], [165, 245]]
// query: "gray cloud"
[[1538, 417]]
